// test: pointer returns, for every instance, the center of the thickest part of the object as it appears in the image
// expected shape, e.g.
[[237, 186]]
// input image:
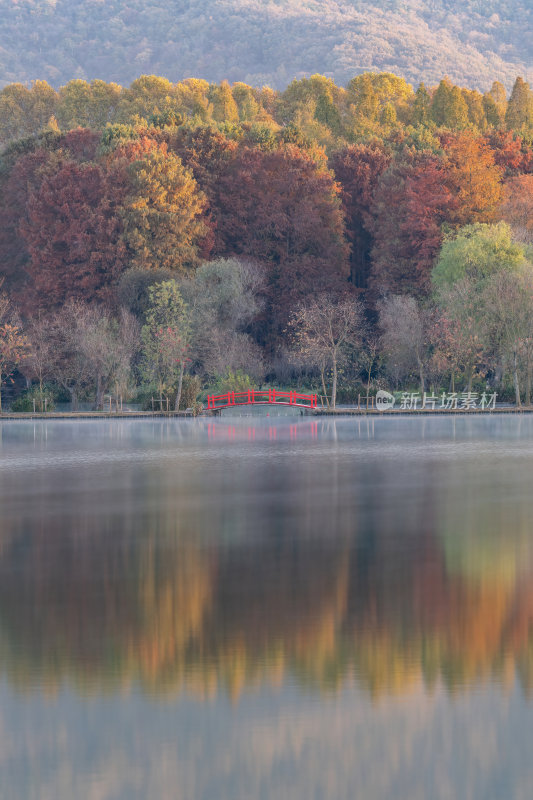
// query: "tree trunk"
[[529, 372], [422, 376], [334, 384], [515, 380], [323, 379], [369, 376], [470, 378], [180, 384], [73, 399], [99, 395]]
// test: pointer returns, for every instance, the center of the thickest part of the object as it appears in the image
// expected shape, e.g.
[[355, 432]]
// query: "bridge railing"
[[261, 397]]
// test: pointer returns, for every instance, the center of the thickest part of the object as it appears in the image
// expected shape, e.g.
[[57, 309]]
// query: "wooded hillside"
[[265, 41], [231, 225]]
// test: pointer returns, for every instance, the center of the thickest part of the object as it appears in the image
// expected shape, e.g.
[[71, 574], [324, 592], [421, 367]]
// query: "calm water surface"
[[280, 609]]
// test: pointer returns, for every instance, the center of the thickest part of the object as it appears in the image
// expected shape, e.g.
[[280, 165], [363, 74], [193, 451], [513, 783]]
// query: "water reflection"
[[217, 557]]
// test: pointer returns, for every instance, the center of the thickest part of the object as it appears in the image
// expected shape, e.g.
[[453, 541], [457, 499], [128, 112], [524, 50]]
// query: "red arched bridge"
[[252, 397]]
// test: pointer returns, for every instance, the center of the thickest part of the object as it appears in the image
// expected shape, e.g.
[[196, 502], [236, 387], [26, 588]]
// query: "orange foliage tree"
[[473, 178]]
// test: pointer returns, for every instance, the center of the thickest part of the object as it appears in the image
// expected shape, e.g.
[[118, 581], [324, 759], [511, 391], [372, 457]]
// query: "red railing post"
[[249, 400], [273, 395], [253, 395]]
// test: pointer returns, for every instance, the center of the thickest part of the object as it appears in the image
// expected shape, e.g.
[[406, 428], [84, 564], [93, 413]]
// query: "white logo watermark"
[[384, 400], [447, 401]]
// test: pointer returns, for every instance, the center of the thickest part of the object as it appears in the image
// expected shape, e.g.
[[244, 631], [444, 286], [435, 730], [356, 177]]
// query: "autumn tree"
[[146, 95], [166, 338], [358, 169], [245, 98], [491, 112], [25, 111], [73, 234], [410, 204], [24, 165], [476, 110], [88, 105], [421, 106], [282, 208], [193, 95], [324, 330], [498, 96], [224, 106], [448, 106], [473, 178], [209, 155], [374, 99], [315, 106], [511, 153], [162, 213], [519, 113]]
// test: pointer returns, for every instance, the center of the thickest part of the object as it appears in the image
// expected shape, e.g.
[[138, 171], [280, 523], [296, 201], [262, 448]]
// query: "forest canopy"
[[364, 195]]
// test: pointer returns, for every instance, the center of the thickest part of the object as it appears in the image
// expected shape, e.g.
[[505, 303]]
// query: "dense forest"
[[266, 41], [175, 236]]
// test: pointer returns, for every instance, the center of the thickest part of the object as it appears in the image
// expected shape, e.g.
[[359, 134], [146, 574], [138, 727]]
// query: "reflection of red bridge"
[[302, 430], [256, 397]]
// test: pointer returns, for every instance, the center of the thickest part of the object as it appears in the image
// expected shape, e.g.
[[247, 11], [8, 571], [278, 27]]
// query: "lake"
[[288, 608]]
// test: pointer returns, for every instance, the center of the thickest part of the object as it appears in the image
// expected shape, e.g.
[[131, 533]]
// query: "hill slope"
[[266, 41]]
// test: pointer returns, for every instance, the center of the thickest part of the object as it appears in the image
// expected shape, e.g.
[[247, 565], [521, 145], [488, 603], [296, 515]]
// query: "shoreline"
[[338, 412]]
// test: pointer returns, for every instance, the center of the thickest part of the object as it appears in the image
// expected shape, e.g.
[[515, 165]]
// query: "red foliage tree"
[[73, 236], [410, 204], [282, 207], [24, 177], [82, 144], [511, 153], [358, 168], [208, 154]]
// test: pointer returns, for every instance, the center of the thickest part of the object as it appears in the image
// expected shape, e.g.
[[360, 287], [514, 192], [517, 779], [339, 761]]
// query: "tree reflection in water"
[[353, 581]]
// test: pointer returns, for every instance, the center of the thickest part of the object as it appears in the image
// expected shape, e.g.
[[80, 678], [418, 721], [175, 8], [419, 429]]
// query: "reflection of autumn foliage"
[[170, 614]]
